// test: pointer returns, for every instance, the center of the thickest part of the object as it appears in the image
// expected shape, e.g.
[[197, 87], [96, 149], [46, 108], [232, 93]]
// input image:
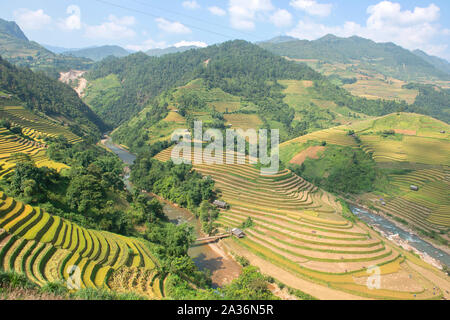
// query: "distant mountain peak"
[[329, 37], [12, 29], [281, 39]]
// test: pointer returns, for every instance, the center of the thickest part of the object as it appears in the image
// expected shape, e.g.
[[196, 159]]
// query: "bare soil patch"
[[406, 132], [311, 153]]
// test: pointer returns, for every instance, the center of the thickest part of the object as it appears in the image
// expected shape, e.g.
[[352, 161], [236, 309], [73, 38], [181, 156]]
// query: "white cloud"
[[31, 20], [281, 18], [191, 4], [172, 27], [73, 21], [190, 43], [243, 13], [387, 22], [217, 11], [389, 13], [312, 7], [114, 28], [147, 45]]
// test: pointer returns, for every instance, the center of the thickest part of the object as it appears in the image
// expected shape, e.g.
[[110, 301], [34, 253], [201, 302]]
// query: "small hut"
[[414, 188], [238, 233], [220, 204]]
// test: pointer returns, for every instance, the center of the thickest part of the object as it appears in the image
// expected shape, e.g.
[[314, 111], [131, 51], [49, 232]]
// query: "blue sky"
[[147, 24]]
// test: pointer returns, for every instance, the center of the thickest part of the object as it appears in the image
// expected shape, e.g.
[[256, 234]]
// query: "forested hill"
[[98, 53], [162, 52], [38, 92], [12, 29], [238, 67], [440, 64], [16, 48], [385, 58]]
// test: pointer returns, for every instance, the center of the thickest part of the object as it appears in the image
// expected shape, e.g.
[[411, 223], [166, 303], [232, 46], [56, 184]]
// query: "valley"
[[94, 204]]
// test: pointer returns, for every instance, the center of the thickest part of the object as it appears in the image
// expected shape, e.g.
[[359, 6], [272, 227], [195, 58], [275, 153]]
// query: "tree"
[[85, 193]]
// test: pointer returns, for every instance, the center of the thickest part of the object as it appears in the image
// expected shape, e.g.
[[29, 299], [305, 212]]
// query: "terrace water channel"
[[391, 229], [206, 256]]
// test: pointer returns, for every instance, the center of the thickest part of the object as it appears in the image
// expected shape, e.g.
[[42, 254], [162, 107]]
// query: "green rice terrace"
[[303, 236], [28, 139], [45, 247], [408, 150]]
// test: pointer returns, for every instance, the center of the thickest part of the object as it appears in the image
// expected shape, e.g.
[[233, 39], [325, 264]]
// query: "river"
[[206, 256], [390, 228], [224, 269]]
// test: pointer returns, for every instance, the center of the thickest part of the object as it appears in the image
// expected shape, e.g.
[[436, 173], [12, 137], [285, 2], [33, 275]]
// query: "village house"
[[220, 204], [238, 233]]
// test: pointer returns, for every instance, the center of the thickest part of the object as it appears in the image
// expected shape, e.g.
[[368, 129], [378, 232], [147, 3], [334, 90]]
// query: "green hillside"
[[374, 162], [162, 52], [385, 58], [237, 67], [37, 92], [266, 91], [17, 49], [440, 64]]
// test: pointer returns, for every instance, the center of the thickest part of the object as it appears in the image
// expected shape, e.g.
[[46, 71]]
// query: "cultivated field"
[[417, 154], [34, 129], [47, 248], [11, 145], [299, 233]]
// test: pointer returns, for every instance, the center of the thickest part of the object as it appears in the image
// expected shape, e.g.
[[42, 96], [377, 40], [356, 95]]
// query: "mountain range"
[[387, 59], [17, 49]]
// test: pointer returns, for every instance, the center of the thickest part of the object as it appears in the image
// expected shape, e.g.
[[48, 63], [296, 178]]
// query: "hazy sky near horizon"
[[147, 24]]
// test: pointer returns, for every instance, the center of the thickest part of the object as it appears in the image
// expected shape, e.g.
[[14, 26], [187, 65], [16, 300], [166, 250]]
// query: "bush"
[[103, 294], [243, 261], [12, 279], [56, 288]]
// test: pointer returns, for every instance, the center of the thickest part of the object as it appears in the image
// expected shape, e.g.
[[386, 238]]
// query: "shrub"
[[103, 294], [15, 280]]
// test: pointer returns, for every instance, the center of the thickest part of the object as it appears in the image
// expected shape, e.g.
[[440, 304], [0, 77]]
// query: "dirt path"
[[316, 290]]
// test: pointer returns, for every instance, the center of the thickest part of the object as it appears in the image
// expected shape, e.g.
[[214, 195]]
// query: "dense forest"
[[431, 101], [340, 170], [41, 93], [237, 67]]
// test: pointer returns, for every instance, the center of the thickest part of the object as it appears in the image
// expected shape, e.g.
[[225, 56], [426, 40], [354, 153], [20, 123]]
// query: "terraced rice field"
[[11, 144], [299, 229], [35, 126], [337, 135], [427, 208], [45, 248], [423, 146]]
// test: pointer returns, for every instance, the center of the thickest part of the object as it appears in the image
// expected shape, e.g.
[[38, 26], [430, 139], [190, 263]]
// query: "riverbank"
[[212, 256], [399, 225], [224, 269], [404, 239]]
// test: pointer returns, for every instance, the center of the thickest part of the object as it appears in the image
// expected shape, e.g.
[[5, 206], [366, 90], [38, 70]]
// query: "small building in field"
[[414, 188], [443, 131], [220, 204], [238, 233]]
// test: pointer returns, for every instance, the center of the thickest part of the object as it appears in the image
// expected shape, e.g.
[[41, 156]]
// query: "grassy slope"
[[419, 147]]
